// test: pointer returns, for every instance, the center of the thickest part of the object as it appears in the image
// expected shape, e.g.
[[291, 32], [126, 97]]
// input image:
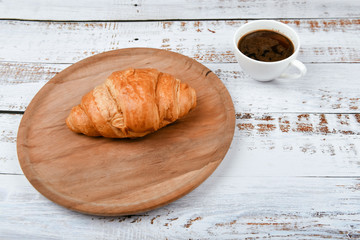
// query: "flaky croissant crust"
[[132, 103]]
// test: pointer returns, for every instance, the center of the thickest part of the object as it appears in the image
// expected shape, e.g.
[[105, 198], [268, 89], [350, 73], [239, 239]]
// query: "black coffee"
[[266, 46]]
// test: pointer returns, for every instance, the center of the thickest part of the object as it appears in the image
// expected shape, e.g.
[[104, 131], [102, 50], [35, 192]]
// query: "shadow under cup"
[[266, 71]]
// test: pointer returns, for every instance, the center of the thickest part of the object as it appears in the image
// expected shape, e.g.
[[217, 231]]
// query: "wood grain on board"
[[178, 9], [221, 208], [328, 40]]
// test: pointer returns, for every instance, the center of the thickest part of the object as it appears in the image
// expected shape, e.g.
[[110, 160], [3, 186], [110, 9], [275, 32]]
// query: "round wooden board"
[[123, 176]]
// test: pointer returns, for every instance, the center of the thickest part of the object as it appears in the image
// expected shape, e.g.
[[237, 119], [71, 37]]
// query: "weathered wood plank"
[[222, 207], [178, 9], [328, 88], [335, 40], [21, 81], [9, 124], [285, 144], [274, 144]]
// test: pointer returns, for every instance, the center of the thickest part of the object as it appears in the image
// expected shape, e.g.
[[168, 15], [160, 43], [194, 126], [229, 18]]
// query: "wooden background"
[[293, 169]]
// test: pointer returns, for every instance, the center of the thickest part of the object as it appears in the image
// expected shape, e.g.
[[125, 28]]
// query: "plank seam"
[[12, 174], [11, 112], [348, 113], [174, 19]]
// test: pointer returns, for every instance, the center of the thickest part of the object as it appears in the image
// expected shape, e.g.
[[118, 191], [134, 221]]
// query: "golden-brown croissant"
[[132, 103]]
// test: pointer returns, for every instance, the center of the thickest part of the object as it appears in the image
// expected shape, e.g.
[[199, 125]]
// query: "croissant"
[[132, 103]]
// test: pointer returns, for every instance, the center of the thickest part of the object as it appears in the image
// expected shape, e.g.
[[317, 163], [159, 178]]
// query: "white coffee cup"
[[266, 71]]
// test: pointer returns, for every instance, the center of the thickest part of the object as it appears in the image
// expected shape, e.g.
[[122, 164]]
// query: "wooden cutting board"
[[123, 176]]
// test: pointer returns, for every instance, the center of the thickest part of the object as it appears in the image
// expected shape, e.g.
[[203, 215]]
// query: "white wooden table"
[[293, 169]]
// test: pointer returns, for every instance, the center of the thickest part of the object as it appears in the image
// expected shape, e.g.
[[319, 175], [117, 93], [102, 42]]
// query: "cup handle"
[[300, 66]]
